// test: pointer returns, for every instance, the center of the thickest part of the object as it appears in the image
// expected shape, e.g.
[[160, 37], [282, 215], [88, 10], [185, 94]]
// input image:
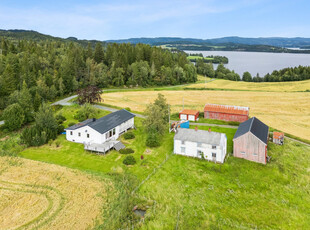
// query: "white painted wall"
[[94, 136], [191, 149]]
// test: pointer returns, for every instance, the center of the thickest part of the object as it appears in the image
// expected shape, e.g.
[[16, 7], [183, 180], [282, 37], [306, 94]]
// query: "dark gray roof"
[[81, 124], [256, 127], [202, 136], [107, 122]]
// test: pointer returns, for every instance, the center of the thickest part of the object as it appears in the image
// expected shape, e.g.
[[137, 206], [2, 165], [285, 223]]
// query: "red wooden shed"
[[188, 114], [226, 112]]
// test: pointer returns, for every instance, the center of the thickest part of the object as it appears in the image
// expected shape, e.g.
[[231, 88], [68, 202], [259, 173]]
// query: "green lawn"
[[197, 194]]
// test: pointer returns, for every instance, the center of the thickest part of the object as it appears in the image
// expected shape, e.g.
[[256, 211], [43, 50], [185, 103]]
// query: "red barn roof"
[[189, 112], [227, 109]]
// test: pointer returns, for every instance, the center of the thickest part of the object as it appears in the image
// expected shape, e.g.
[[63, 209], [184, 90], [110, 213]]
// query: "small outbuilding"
[[188, 114], [226, 112], [203, 144], [251, 140], [278, 138]]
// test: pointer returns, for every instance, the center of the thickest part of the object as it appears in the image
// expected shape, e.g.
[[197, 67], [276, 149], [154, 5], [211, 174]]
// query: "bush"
[[126, 151], [60, 128], [129, 160], [129, 135], [152, 140], [14, 117], [71, 124], [128, 109], [60, 118], [57, 107]]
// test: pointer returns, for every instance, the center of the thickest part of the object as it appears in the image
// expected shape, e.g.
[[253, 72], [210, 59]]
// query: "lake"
[[258, 62]]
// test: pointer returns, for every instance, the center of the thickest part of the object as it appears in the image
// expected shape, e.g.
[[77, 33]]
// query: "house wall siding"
[[94, 136], [225, 116], [191, 150], [250, 145]]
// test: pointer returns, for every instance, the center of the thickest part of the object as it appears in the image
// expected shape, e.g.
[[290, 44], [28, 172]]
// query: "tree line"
[[50, 69], [299, 73]]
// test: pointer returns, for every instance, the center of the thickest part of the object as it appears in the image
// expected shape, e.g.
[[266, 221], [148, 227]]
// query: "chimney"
[[94, 119], [209, 130], [196, 128]]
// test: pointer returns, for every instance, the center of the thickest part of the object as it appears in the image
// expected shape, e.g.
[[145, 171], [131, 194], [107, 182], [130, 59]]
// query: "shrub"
[[152, 140], [86, 111], [126, 151], [60, 128], [128, 109], [129, 135], [60, 118], [129, 160], [57, 107], [71, 124], [57, 143], [14, 117]]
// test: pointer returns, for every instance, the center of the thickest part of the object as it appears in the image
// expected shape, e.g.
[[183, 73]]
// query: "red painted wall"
[[225, 116]]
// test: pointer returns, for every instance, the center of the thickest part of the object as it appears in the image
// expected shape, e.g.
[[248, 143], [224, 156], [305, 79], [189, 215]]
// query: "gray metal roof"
[[107, 122], [202, 136], [256, 127], [81, 124]]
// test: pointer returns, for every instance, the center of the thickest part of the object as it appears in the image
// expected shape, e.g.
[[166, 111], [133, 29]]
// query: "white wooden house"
[[101, 134], [208, 145]]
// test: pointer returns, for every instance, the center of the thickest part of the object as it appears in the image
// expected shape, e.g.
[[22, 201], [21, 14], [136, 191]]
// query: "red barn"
[[250, 141], [188, 114], [226, 112]]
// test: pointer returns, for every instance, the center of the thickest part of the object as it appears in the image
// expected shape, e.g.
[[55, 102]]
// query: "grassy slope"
[[239, 194], [198, 194]]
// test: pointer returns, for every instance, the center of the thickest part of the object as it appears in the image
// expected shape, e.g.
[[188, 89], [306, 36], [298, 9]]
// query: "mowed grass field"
[[286, 111], [36, 195], [296, 86]]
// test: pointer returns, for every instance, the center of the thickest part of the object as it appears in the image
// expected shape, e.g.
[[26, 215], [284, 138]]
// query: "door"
[[214, 157], [191, 117], [183, 117]]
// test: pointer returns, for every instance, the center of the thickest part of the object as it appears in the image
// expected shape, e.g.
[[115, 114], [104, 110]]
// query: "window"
[[113, 132], [254, 154], [182, 149], [71, 133], [243, 153], [199, 144], [183, 143], [87, 135], [213, 146], [79, 134], [214, 155]]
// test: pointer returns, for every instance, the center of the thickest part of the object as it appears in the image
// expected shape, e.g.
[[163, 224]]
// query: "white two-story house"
[[208, 145], [101, 134]]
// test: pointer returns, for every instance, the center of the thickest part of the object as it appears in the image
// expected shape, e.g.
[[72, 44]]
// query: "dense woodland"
[[54, 68]]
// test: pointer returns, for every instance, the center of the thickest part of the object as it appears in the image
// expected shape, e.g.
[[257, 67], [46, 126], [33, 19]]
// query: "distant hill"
[[297, 42], [36, 36], [273, 44]]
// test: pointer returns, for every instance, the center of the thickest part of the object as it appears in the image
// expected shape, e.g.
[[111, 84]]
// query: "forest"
[[50, 69]]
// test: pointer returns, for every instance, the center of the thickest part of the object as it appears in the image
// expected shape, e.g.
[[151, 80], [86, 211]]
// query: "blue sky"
[[119, 19]]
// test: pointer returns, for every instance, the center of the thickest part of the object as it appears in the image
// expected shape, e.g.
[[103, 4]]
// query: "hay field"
[[295, 86], [289, 112], [36, 195]]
